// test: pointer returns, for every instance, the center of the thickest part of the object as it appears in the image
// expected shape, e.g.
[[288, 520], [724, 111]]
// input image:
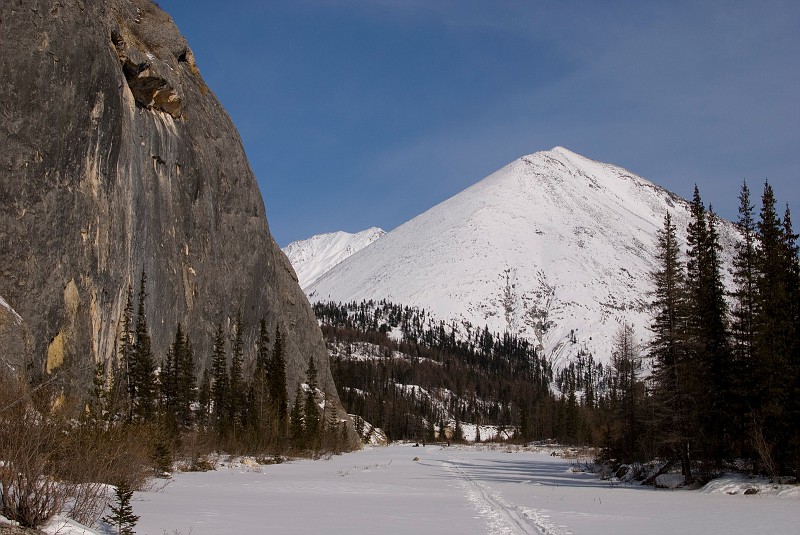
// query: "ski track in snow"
[[501, 516]]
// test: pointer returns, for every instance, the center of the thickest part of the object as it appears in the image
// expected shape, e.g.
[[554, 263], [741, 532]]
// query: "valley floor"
[[463, 490]]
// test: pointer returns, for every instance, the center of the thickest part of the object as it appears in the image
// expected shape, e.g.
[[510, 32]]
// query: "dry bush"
[[51, 463], [764, 449], [30, 495]]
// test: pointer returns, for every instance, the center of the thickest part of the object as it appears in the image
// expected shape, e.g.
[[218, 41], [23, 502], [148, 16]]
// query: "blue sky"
[[359, 113]]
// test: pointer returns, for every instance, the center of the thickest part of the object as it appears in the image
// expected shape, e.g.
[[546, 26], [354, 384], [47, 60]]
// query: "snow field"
[[465, 490]]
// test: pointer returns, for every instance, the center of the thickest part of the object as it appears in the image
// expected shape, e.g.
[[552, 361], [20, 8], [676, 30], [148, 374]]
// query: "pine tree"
[[709, 357], [776, 339], [236, 401], [793, 289], [122, 517], [743, 314], [719, 420], [122, 390], [277, 379], [297, 425], [204, 399], [311, 412], [186, 393], [219, 381], [672, 422], [142, 369], [627, 392], [260, 384], [178, 381], [168, 379], [96, 404]]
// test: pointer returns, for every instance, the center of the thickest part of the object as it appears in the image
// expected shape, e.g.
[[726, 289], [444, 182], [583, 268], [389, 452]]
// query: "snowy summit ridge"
[[312, 257], [554, 247]]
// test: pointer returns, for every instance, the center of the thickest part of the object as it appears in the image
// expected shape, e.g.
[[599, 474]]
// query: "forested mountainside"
[[718, 380]]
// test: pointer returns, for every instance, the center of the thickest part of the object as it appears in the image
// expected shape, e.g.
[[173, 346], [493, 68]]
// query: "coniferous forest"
[[717, 387]]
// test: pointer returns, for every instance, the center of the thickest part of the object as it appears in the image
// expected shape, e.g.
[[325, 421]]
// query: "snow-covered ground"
[[465, 490]]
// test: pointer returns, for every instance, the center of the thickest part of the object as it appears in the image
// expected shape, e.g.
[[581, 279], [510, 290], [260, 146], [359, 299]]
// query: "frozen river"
[[448, 490]]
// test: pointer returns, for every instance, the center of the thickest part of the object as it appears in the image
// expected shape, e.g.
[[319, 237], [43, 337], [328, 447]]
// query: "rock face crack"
[[150, 89]]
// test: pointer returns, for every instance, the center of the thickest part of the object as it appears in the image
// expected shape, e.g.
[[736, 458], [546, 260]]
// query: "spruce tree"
[[96, 404], [793, 289], [122, 517], [186, 392], [297, 429], [219, 381], [168, 379], [260, 384], [708, 352], [671, 416], [204, 399], [177, 379], [627, 393], [777, 336], [743, 317], [277, 379], [142, 369], [311, 412], [719, 419], [122, 389], [236, 401]]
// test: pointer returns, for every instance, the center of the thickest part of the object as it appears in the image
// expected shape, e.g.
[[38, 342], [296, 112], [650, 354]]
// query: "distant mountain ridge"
[[315, 256], [554, 247]]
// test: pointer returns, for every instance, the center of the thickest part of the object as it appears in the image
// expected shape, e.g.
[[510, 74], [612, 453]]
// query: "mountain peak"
[[554, 247], [314, 256]]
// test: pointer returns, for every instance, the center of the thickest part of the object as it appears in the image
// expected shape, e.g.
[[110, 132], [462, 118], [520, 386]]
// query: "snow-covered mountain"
[[313, 257], [554, 247]]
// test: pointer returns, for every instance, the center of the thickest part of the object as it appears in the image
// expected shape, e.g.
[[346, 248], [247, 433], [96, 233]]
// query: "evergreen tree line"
[[719, 382], [240, 403], [726, 367], [448, 376]]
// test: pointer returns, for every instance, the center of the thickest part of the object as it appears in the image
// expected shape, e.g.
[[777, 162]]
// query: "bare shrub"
[[30, 495], [764, 449], [51, 463]]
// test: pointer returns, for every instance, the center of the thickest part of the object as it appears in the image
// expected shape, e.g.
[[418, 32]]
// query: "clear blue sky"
[[359, 113]]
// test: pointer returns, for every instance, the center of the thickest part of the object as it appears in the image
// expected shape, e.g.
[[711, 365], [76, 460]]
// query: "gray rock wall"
[[115, 157]]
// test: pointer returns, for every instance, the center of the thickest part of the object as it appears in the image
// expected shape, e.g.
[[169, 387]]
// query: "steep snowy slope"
[[554, 246], [313, 257]]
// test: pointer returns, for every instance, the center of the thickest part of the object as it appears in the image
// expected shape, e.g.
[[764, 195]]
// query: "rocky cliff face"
[[116, 158]]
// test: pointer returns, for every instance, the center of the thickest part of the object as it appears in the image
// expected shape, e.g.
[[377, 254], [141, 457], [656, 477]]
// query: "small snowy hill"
[[313, 257], [554, 247]]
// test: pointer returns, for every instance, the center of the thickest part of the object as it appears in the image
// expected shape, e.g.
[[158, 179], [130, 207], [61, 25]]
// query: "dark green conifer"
[[237, 398], [671, 415], [297, 430], [311, 412], [204, 400], [122, 517], [277, 379], [219, 381], [142, 369]]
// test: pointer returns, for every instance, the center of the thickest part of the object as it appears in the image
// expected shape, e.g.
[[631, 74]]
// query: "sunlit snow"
[[555, 247], [464, 490]]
